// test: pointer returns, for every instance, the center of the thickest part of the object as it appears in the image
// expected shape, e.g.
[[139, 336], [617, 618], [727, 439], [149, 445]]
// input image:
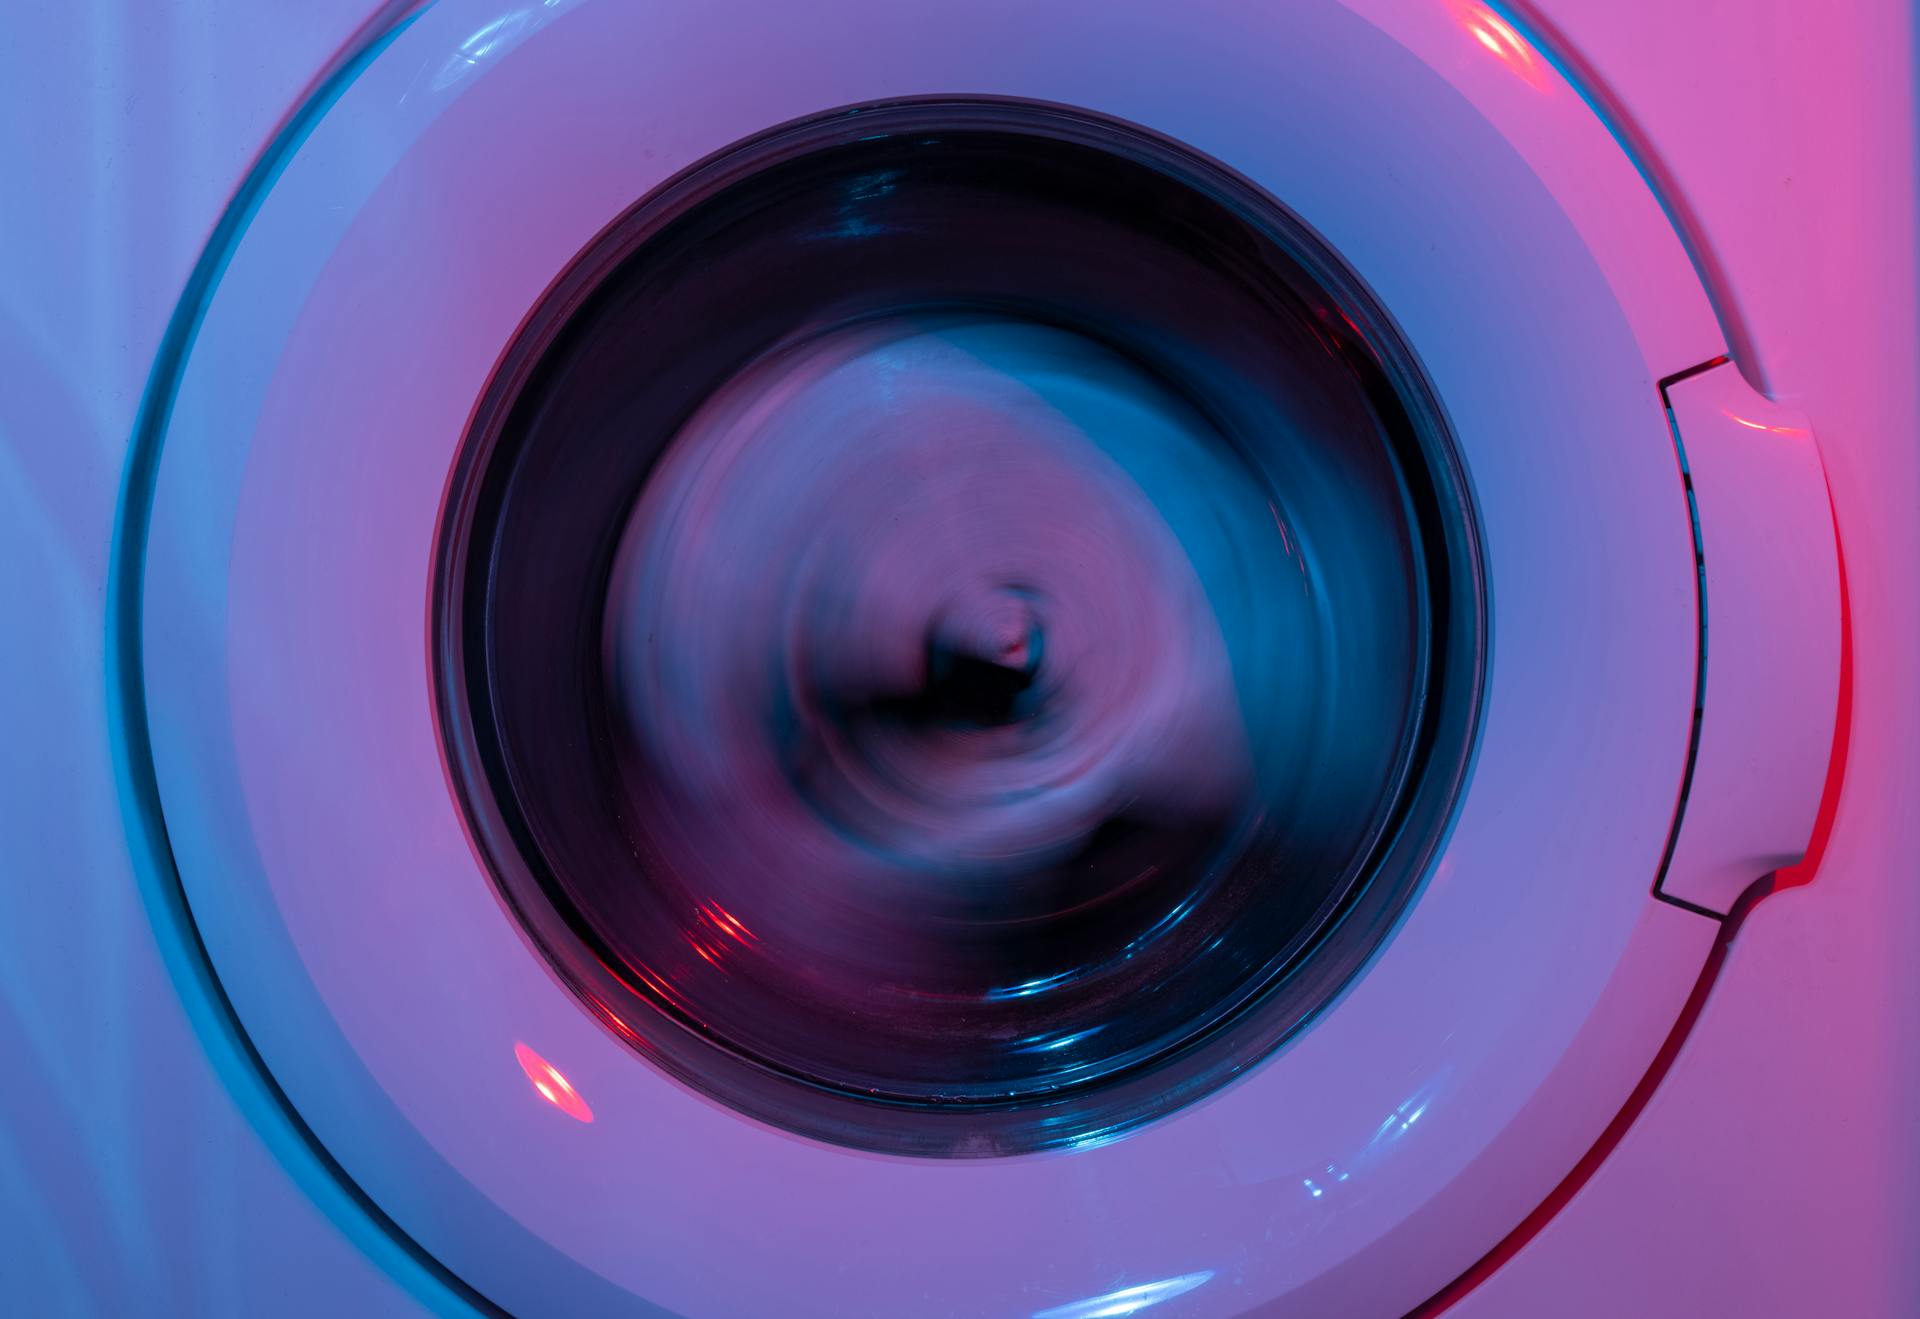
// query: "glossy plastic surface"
[[1771, 661], [145, 1166], [1772, 1171], [355, 325], [147, 1170]]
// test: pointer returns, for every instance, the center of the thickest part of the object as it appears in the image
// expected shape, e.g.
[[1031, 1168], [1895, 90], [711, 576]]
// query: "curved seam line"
[[1591, 88], [1589, 1163], [1583, 1170], [126, 687], [1700, 654]]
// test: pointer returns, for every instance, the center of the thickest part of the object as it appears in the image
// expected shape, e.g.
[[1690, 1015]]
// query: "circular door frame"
[[283, 648]]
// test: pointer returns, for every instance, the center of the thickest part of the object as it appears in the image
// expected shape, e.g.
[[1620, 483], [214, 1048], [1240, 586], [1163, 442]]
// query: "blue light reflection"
[[495, 38], [1128, 1300]]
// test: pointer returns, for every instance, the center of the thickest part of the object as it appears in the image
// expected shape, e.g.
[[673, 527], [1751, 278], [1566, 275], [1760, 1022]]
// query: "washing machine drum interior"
[[989, 661], [952, 631]]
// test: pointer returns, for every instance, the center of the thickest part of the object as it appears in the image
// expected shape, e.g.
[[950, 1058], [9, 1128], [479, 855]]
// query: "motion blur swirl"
[[959, 627]]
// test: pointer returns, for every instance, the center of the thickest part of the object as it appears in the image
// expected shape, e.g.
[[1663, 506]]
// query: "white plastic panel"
[[1354, 1172], [1772, 670]]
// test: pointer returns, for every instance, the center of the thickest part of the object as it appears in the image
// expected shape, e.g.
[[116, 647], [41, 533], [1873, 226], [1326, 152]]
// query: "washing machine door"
[[333, 572]]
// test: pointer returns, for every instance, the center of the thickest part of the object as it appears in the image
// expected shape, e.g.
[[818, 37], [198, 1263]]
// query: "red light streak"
[[728, 922], [550, 1085], [1809, 866], [1796, 431]]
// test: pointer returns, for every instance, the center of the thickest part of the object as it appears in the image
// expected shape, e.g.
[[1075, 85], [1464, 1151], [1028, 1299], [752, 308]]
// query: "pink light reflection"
[[1500, 40], [1795, 431], [550, 1085]]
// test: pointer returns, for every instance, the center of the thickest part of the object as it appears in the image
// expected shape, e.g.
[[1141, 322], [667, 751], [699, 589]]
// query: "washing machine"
[[877, 658]]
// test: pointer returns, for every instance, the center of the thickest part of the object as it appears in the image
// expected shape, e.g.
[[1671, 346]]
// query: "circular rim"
[[492, 1216], [1429, 767]]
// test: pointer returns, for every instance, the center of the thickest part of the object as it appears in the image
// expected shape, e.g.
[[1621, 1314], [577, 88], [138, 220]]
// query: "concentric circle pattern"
[[957, 625]]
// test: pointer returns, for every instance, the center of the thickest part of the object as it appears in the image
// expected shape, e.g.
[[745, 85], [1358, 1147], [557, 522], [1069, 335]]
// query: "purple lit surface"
[[146, 1166]]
